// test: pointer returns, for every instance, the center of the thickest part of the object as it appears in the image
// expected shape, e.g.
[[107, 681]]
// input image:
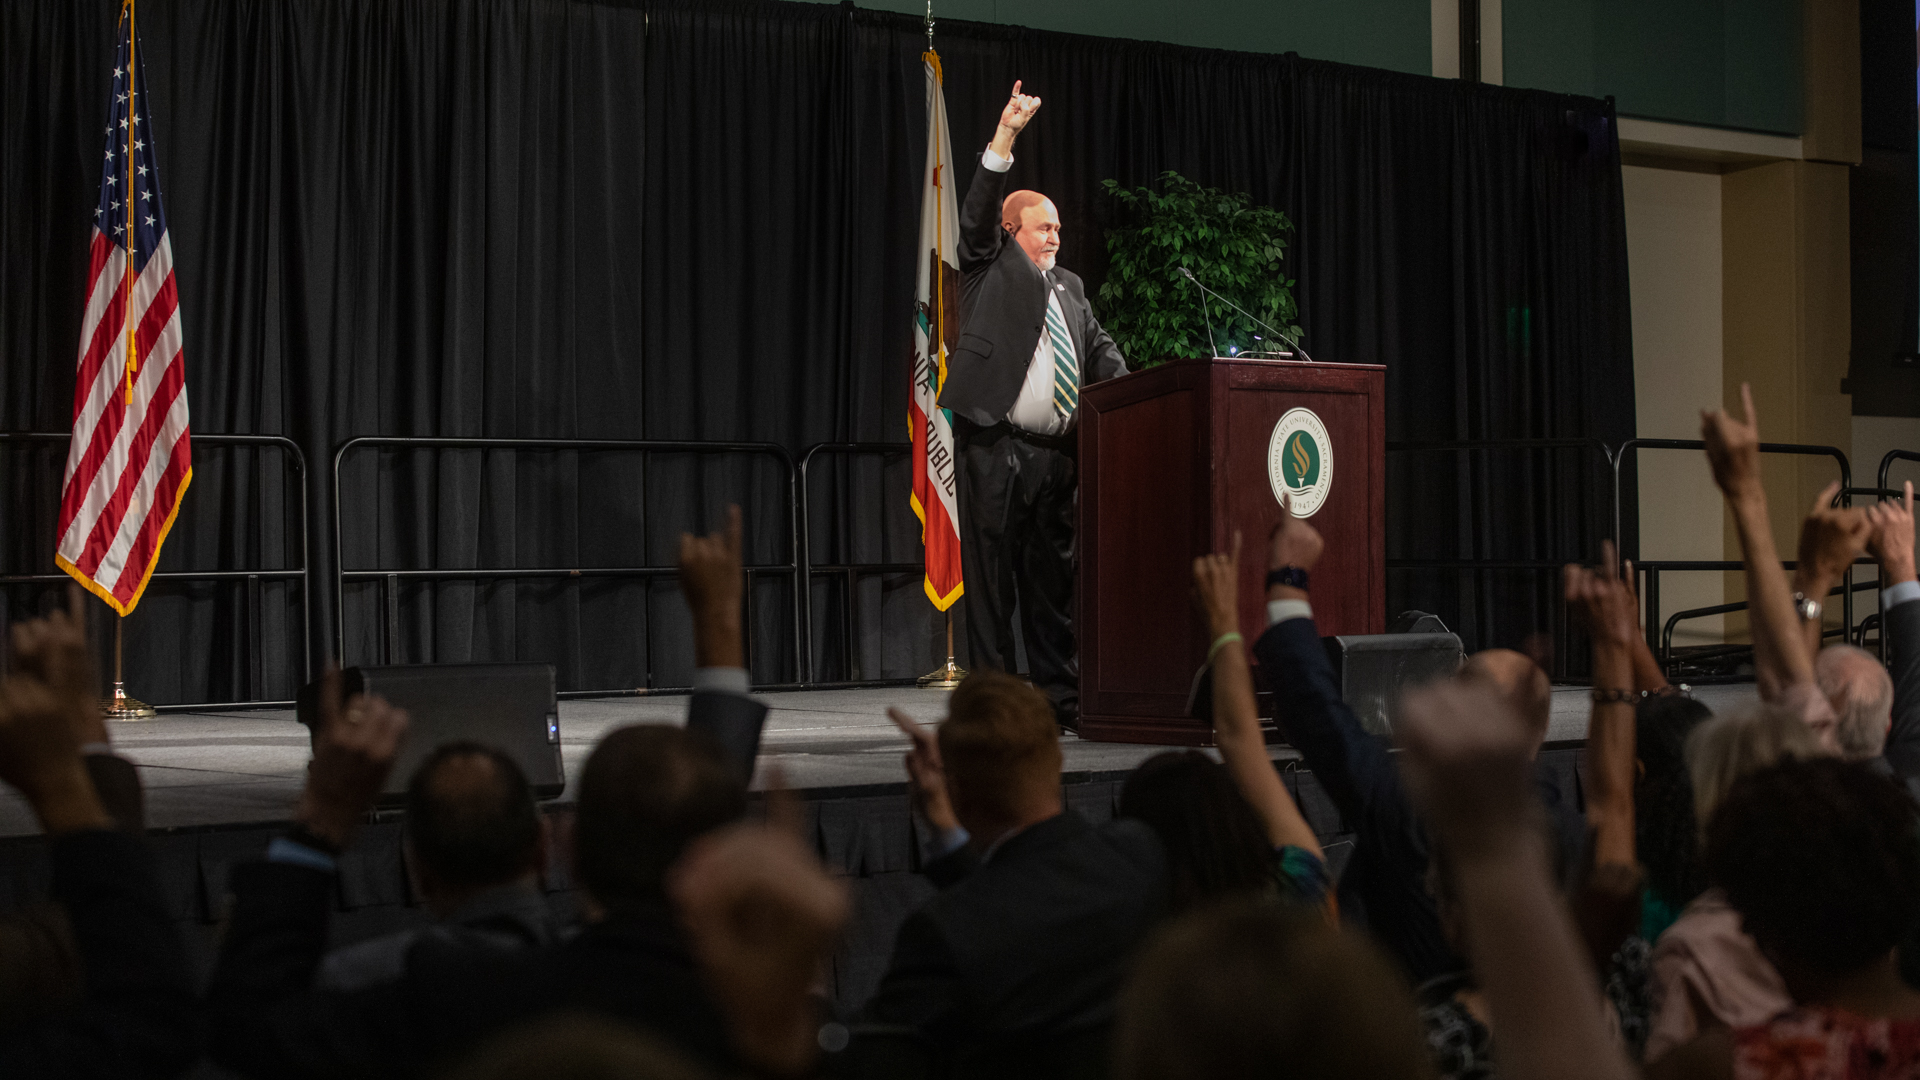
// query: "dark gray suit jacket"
[[1902, 635], [1012, 969], [1003, 303]]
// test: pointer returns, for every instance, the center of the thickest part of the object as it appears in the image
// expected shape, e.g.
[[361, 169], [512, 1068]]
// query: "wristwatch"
[[1806, 607], [1291, 576]]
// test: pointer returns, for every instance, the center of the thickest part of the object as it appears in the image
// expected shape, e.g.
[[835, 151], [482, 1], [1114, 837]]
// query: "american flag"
[[131, 458]]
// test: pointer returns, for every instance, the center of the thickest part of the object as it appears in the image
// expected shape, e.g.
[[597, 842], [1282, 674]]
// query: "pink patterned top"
[[1826, 1044]]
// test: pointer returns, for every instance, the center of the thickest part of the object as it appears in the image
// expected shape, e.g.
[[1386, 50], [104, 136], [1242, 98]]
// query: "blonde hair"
[[1729, 746]]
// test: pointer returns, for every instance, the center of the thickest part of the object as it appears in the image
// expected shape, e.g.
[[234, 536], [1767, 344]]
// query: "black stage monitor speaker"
[[511, 707], [1372, 670]]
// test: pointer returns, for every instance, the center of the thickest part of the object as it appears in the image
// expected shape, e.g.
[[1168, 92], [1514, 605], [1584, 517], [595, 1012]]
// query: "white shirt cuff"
[[724, 680], [1279, 611], [1900, 592], [994, 162]]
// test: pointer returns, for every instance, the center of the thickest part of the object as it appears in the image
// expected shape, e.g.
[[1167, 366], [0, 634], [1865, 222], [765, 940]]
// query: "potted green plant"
[[1232, 246]]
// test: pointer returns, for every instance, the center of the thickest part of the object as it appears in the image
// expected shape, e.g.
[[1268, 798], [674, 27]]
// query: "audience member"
[[126, 1009], [572, 1047], [1239, 990], [475, 847], [1467, 762], [1012, 969], [1861, 693], [1384, 886], [1707, 972], [1892, 545], [1233, 826], [1830, 926], [1666, 836], [646, 794], [1782, 655]]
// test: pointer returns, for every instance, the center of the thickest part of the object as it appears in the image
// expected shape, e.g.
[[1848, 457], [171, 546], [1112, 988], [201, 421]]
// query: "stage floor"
[[235, 768]]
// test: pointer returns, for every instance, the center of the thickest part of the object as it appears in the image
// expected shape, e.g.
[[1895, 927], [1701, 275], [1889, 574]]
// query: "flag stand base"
[[122, 707], [944, 678]]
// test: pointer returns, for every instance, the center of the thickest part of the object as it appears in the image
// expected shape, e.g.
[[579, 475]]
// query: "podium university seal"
[[1300, 461]]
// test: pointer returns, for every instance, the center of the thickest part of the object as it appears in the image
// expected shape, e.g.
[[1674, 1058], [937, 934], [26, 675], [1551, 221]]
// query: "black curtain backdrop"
[[540, 219]]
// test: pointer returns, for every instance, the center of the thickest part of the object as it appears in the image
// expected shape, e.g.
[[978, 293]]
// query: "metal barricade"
[[296, 464], [391, 578], [849, 572], [1651, 569], [1478, 566]]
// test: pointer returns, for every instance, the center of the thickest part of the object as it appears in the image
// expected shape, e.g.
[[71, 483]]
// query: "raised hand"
[[762, 915], [926, 775], [714, 584], [1604, 598], [1733, 447], [1830, 539], [1293, 542], [1892, 539], [1216, 582], [353, 750], [1020, 109], [1469, 763], [47, 706]]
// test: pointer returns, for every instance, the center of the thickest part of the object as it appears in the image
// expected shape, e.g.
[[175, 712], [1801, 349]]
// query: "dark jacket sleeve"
[[1902, 631], [733, 721], [922, 986], [1355, 768], [263, 1017], [138, 1016], [952, 868], [1103, 356], [980, 232]]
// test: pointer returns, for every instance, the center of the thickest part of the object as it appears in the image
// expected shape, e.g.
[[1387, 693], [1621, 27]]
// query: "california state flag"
[[936, 327]]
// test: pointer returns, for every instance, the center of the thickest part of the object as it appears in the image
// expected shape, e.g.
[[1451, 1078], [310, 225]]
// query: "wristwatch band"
[[1291, 576], [1806, 607]]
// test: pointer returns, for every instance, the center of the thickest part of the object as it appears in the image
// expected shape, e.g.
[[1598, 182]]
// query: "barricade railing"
[[1477, 566], [849, 573], [1651, 569], [391, 578], [295, 463]]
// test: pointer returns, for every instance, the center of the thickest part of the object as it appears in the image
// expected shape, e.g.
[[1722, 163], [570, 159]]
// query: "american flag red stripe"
[[131, 458]]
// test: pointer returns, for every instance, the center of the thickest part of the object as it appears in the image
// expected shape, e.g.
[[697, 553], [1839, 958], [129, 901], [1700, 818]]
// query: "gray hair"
[[1861, 693], [1730, 745]]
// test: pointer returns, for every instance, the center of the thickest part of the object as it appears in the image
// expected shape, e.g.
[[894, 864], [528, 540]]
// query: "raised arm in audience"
[[763, 916], [1892, 544], [137, 1015], [1781, 660], [1830, 540], [1604, 598], [1468, 764], [1236, 716]]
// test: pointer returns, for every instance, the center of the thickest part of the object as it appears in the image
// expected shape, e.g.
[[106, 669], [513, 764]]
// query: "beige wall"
[[1674, 267]]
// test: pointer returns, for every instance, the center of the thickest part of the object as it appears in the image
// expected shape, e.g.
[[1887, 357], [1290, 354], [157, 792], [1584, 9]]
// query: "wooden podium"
[[1174, 459]]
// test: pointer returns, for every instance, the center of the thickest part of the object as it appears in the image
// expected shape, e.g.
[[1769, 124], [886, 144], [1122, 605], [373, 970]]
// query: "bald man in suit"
[[1028, 344]]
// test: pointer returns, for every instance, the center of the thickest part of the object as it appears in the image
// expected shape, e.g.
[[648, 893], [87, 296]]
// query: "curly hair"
[[1666, 839], [1822, 861]]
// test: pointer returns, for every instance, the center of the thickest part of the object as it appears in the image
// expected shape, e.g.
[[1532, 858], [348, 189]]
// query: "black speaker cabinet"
[[1373, 669], [511, 707]]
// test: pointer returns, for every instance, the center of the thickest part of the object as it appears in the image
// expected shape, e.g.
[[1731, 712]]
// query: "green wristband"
[[1221, 642]]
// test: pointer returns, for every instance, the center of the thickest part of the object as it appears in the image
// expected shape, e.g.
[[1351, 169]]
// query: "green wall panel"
[[1392, 34], [1722, 63]]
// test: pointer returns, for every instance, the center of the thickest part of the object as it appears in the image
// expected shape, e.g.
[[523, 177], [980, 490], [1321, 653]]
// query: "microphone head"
[[1188, 274]]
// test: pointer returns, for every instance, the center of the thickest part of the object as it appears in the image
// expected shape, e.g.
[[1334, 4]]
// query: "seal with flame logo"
[[1300, 461]]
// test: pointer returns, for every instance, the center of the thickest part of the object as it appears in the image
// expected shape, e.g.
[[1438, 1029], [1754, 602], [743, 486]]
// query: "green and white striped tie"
[[1066, 367]]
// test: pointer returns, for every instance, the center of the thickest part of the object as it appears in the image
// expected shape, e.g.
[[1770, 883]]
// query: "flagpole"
[[120, 706], [948, 675]]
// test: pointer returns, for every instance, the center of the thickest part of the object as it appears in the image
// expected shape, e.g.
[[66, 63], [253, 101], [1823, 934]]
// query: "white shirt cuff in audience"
[[994, 162], [1279, 611], [948, 841], [722, 680], [1900, 592]]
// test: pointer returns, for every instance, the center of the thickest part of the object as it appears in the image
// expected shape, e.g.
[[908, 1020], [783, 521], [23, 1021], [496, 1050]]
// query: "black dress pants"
[[1019, 497]]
